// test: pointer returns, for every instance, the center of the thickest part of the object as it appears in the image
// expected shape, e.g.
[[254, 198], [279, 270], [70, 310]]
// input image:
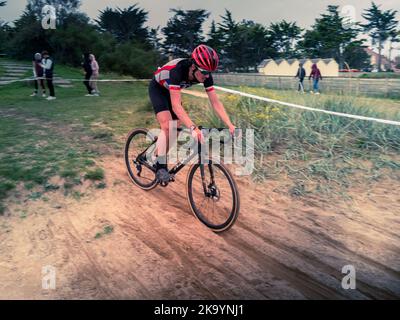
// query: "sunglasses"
[[203, 72]]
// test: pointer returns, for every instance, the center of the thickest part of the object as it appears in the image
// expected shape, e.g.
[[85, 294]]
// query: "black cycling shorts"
[[160, 99]]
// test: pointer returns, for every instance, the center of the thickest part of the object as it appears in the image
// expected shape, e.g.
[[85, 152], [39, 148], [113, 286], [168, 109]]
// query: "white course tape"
[[340, 114], [74, 80]]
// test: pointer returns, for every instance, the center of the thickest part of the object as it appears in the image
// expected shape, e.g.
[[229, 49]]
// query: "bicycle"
[[208, 184]]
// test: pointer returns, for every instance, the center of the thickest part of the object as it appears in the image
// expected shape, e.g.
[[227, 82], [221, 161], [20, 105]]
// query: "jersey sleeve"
[[175, 78], [209, 84]]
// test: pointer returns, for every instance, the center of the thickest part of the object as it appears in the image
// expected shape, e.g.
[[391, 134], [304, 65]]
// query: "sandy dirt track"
[[280, 248]]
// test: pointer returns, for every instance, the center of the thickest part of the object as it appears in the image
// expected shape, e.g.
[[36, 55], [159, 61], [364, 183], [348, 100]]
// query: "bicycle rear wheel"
[[213, 195], [139, 169]]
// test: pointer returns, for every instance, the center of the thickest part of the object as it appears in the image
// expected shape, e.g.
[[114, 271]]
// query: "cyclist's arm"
[[219, 108], [176, 101]]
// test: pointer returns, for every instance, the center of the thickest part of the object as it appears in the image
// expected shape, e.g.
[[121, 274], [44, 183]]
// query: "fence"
[[347, 86]]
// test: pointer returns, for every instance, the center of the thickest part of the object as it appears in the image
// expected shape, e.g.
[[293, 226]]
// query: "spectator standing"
[[38, 75], [48, 67], [88, 73], [95, 75], [301, 74], [316, 76]]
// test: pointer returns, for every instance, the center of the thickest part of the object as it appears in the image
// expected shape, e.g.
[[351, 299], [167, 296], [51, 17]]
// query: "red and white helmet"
[[205, 58]]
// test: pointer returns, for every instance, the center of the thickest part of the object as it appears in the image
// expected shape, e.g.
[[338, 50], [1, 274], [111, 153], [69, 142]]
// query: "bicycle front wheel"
[[213, 195]]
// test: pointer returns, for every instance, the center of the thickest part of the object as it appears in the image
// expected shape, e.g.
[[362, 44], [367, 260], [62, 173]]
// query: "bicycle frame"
[[179, 166]]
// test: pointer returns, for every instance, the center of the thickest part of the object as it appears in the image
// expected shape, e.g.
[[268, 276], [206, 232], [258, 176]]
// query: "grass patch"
[[77, 195], [23, 215], [101, 185], [35, 195], [106, 230], [103, 135], [380, 75], [68, 173], [51, 187], [95, 175]]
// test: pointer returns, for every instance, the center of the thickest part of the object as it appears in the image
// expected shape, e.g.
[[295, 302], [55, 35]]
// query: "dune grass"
[[319, 153], [380, 75]]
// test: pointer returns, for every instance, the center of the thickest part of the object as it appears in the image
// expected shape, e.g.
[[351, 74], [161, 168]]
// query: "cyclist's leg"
[[161, 102], [163, 118], [167, 138]]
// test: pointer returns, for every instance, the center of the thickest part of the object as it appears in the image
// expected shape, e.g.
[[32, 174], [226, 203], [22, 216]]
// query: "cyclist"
[[165, 96]]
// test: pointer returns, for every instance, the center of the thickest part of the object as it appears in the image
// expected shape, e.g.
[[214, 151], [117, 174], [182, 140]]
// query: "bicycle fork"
[[210, 191]]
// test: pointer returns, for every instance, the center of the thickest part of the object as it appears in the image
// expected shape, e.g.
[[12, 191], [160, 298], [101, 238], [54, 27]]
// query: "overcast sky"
[[303, 12]]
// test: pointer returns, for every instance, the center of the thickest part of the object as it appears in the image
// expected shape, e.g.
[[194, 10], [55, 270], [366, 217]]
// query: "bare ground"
[[280, 247]]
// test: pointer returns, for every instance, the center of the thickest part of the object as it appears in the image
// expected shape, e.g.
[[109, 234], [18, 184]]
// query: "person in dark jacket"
[[301, 74], [88, 73], [316, 76], [48, 67]]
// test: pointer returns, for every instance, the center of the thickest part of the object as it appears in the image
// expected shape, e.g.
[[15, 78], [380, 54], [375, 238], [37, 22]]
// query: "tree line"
[[124, 44]]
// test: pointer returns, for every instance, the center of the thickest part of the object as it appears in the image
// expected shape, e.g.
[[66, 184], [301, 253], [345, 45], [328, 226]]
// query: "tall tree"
[[74, 36], [394, 38], [243, 44], [329, 37], [284, 36], [381, 26], [183, 31], [4, 30], [124, 24], [356, 57], [154, 38], [27, 36], [228, 30], [214, 37], [255, 45]]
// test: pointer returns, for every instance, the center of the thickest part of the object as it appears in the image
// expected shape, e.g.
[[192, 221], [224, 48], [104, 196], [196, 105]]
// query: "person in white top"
[[38, 75], [48, 67]]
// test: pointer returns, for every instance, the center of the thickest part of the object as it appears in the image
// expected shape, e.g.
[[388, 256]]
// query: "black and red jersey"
[[175, 76]]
